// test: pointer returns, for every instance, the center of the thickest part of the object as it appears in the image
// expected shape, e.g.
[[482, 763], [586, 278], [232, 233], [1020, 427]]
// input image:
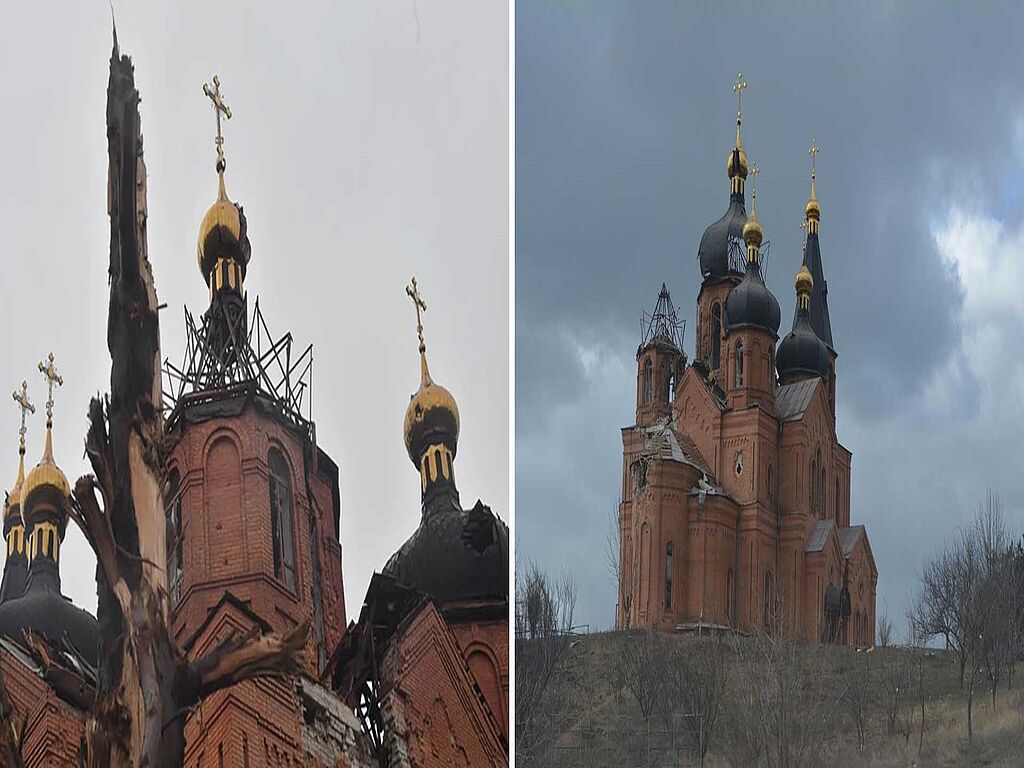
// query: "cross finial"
[[49, 370], [21, 398], [738, 88], [814, 150], [754, 170], [418, 302], [218, 107]]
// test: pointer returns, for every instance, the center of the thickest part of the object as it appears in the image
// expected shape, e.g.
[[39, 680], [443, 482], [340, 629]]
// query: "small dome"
[[736, 164], [431, 418], [13, 501], [753, 232], [812, 210], [803, 281], [222, 234], [46, 481], [802, 351]]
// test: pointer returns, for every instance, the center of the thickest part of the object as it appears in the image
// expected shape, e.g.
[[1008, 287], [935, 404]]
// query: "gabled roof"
[[848, 538], [792, 400], [819, 536]]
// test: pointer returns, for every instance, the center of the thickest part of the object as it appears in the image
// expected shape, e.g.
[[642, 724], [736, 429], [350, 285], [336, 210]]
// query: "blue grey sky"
[[624, 117]]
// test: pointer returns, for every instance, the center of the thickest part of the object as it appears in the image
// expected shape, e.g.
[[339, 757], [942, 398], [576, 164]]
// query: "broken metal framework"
[[224, 351], [663, 323], [738, 256]]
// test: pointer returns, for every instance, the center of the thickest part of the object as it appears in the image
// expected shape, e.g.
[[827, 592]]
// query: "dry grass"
[[601, 726]]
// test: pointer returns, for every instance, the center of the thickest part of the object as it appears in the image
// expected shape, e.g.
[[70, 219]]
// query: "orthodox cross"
[[21, 398], [218, 107], [814, 150], [754, 170], [49, 370], [418, 302], [738, 89]]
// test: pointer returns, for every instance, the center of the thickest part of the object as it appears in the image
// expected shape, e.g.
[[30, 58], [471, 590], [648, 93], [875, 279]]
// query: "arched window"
[[729, 592], [716, 336], [739, 363], [281, 518], [767, 599], [668, 576], [648, 381], [172, 508]]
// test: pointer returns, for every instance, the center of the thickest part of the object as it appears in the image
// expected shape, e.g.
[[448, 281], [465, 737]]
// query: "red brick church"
[[735, 509], [253, 506]]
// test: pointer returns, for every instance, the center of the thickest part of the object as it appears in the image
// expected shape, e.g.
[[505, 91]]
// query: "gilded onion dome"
[[223, 249], [432, 417], [46, 477]]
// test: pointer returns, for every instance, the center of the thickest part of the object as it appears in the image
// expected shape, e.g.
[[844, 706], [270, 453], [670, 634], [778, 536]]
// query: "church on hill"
[[253, 515], [735, 511]]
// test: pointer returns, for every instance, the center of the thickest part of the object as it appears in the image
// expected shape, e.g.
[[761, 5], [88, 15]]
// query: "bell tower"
[[659, 360]]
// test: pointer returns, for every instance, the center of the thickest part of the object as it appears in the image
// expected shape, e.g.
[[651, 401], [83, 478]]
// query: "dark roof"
[[791, 400], [819, 319], [714, 245], [751, 304], [455, 554], [46, 612], [848, 538], [819, 536]]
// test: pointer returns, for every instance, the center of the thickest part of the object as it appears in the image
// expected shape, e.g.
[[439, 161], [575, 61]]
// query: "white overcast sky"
[[369, 141]]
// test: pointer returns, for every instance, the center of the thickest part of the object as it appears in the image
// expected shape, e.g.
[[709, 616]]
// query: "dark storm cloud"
[[624, 117]]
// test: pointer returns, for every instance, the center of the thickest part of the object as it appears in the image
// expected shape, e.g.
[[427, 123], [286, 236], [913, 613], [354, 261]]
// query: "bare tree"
[[884, 631], [694, 690], [857, 696], [544, 611], [643, 666], [613, 562], [895, 676]]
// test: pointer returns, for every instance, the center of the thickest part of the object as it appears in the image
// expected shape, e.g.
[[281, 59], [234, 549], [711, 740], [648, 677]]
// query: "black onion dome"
[[802, 351], [46, 612], [714, 245], [455, 554], [751, 304]]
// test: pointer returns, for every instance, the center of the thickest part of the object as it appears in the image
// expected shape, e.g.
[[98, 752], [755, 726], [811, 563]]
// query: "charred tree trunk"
[[145, 685]]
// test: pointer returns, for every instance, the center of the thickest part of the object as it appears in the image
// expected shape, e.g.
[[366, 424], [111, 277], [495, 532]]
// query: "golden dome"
[[753, 232], [730, 163], [813, 210], [46, 473], [432, 416], [803, 282], [222, 218]]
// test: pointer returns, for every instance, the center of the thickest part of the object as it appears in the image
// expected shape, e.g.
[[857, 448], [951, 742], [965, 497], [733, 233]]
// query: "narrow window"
[[767, 599], [281, 518], [648, 381], [716, 336], [729, 592], [739, 364], [836, 511], [813, 482], [174, 538], [668, 576]]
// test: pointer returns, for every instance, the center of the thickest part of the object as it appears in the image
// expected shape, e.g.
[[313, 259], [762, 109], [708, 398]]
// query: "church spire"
[[16, 564], [818, 316], [736, 166], [223, 250], [431, 429]]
